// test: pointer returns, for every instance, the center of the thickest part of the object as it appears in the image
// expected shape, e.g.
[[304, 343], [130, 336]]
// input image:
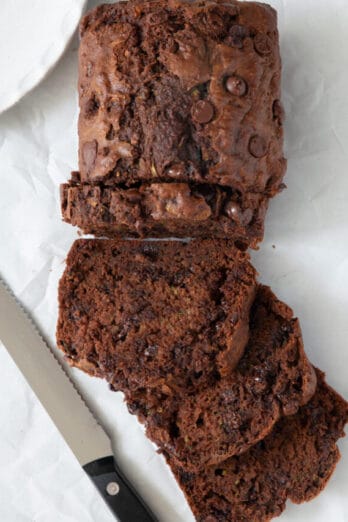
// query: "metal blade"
[[50, 383]]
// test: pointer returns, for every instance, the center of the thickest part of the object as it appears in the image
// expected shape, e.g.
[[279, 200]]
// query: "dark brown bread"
[[164, 210], [294, 462], [159, 95], [178, 91], [273, 378], [166, 323], [160, 315]]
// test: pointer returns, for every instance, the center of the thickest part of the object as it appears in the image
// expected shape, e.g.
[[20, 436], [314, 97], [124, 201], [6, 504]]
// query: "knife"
[[67, 409]]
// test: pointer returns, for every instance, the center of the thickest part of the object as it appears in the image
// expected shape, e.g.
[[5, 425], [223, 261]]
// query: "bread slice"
[[163, 316], [164, 210], [295, 461], [273, 378]]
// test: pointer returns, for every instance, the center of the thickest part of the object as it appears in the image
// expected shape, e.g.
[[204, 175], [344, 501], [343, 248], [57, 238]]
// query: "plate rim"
[[45, 63]]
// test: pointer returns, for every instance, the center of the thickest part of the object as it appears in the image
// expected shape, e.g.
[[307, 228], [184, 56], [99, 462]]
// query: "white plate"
[[33, 36]]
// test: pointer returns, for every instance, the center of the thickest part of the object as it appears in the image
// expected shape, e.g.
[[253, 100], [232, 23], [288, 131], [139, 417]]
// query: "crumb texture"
[[165, 210], [294, 462], [273, 379], [155, 315]]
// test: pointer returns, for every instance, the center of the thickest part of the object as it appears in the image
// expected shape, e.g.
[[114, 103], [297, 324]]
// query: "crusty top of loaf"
[[185, 91]]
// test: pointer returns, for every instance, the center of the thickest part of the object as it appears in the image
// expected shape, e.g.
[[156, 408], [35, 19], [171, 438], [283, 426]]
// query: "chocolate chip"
[[203, 111], [177, 170], [234, 212], [278, 112], [262, 44], [236, 85], [89, 154], [257, 146], [236, 35]]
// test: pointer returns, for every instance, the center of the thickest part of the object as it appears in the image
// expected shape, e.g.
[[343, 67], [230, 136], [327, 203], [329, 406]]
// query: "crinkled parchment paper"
[[304, 258]]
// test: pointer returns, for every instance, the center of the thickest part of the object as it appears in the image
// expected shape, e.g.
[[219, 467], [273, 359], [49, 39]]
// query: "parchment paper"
[[304, 258]]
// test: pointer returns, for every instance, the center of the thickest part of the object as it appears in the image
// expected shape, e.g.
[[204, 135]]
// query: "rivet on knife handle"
[[117, 492]]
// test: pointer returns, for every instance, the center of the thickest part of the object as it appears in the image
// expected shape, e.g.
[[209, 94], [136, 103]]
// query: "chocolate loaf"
[[155, 315], [293, 462], [207, 366], [163, 210], [181, 135], [185, 93]]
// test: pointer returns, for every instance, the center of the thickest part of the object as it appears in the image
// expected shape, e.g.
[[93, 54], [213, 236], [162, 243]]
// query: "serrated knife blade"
[[67, 409]]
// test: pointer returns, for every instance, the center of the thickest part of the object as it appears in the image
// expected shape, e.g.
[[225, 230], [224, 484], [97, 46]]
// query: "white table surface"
[[304, 257]]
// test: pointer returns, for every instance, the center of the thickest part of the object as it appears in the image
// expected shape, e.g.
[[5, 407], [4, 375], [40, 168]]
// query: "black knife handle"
[[119, 495]]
